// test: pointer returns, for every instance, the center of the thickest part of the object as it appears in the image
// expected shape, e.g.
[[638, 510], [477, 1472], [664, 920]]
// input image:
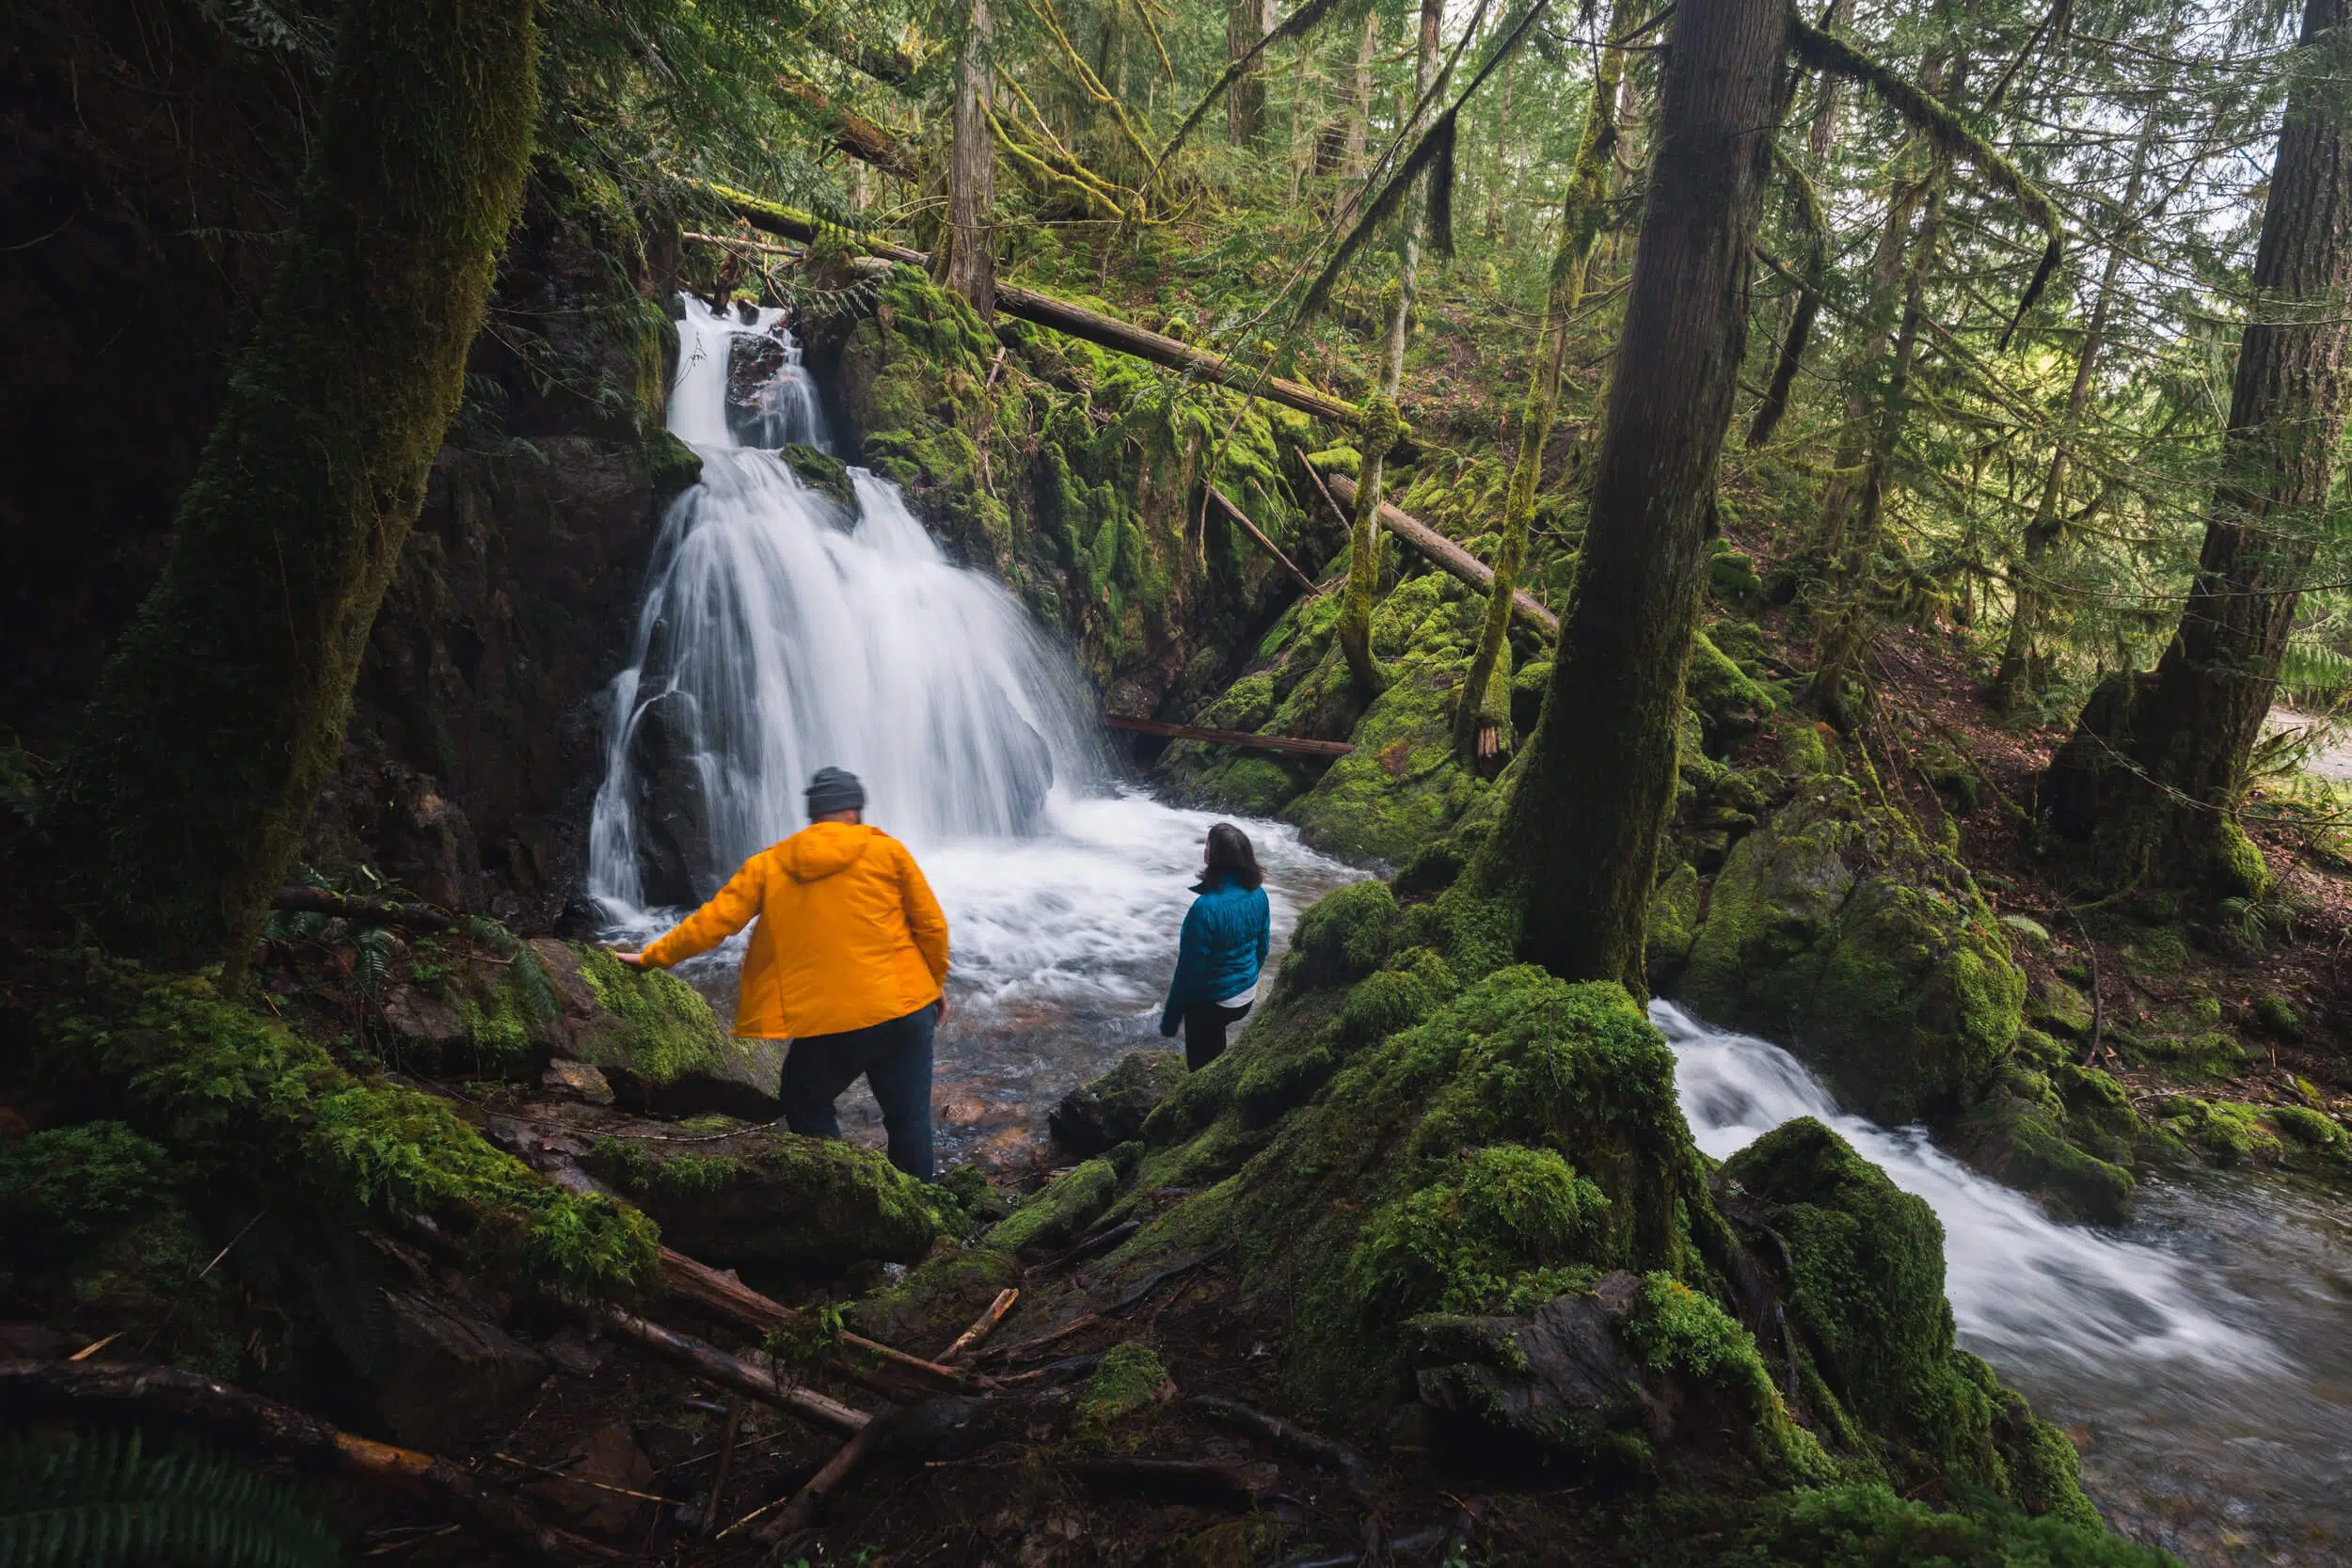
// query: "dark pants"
[[1204, 1031], [895, 1058]]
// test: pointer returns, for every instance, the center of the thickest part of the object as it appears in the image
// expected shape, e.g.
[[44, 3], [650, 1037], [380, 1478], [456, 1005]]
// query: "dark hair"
[[1229, 854]]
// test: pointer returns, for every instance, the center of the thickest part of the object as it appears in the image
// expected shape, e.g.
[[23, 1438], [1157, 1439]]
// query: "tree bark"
[[1580, 227], [1381, 427], [2012, 681], [1577, 850], [966, 261], [221, 712], [2167, 810], [1246, 22], [1447, 556]]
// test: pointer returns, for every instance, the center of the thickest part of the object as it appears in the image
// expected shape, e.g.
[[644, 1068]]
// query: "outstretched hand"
[[634, 960]]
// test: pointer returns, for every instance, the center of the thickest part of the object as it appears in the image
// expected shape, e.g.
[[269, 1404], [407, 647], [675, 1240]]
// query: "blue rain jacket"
[[1227, 934]]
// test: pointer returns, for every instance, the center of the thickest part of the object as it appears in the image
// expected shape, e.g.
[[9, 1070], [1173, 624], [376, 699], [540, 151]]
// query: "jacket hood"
[[823, 849]]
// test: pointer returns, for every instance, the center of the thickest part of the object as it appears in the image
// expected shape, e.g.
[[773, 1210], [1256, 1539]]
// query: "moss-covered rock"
[[939, 1298], [825, 474], [760, 1197], [1057, 1211], [1111, 1110], [1871, 953], [1865, 1264], [1674, 924], [1869, 1525], [1728, 704], [1343, 935], [1131, 1379]]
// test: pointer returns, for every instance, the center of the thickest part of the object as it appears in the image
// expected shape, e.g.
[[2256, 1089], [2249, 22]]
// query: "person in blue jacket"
[[1226, 933]]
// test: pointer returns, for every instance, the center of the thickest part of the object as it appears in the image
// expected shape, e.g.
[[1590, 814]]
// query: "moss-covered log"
[[221, 712]]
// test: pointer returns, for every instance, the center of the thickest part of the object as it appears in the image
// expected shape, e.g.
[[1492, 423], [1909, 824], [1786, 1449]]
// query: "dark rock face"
[[452, 1378], [1560, 1377], [670, 806], [1111, 1110]]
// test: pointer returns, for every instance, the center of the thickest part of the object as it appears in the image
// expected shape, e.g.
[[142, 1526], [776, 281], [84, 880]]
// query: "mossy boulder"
[[1837, 931], [823, 473], [761, 1198], [656, 1040], [1729, 704], [1130, 1380], [1674, 922], [1111, 1110], [1057, 1211], [1865, 1280], [939, 1298]]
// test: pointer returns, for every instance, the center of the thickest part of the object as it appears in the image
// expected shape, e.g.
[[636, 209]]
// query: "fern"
[[372, 968], [95, 1499], [529, 975]]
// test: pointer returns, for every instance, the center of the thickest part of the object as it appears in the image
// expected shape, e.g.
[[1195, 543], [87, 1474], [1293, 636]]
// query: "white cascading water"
[[2200, 1355], [782, 633]]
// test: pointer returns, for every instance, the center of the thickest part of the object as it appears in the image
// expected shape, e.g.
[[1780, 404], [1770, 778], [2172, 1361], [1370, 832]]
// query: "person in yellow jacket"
[[847, 962]]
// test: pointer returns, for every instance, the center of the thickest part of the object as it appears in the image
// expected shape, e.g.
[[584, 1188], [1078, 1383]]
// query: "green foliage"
[[64, 1189], [1057, 1211], [107, 1499], [1868, 1526], [1499, 1233], [1131, 1378]]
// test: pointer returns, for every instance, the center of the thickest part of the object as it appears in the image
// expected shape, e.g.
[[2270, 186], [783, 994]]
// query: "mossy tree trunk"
[[1246, 22], [2166, 807], [1382, 426], [1580, 227], [966, 258], [2016, 678], [221, 712], [1578, 847]]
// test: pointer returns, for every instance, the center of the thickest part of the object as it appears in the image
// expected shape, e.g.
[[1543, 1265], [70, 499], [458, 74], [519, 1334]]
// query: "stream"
[[2200, 1359]]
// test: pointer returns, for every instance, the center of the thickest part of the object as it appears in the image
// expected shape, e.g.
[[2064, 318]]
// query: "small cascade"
[[782, 633], [2198, 1358]]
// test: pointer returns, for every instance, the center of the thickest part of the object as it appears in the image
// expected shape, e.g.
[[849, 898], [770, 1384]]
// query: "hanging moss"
[[222, 710]]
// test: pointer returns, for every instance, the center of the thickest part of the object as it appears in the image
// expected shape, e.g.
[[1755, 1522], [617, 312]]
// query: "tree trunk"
[[2015, 677], [1579, 225], [1359, 102], [222, 710], [1843, 488], [1246, 22], [1577, 850], [1502, 157], [2169, 811], [1823, 134], [966, 261], [1381, 425]]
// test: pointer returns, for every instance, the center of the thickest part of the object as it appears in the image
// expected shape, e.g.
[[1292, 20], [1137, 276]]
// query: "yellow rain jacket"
[[849, 933]]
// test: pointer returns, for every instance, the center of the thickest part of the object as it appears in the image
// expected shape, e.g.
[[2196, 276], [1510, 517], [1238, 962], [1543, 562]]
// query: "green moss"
[[1809, 751], [1868, 1526], [825, 474], [939, 1298], [1130, 1379], [1342, 934], [236, 1089], [1678, 1330], [1057, 1211], [681, 1176], [1500, 1232], [1731, 576], [667, 1030], [2313, 1129], [2279, 1014], [1836, 928], [1729, 703], [670, 464], [65, 1190], [1865, 1264]]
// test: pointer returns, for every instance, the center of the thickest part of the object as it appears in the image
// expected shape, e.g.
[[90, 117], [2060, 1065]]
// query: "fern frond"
[[105, 1499]]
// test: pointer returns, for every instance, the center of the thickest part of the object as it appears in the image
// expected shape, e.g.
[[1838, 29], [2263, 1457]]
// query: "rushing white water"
[[2201, 1359], [781, 633]]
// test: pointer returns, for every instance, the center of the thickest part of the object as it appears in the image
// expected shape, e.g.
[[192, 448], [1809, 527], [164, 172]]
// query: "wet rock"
[[671, 807], [1111, 1110], [578, 1080], [452, 1379], [1057, 1211], [760, 1197]]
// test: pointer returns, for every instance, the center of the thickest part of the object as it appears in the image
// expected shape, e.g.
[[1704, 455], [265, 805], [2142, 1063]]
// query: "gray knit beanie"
[[835, 789]]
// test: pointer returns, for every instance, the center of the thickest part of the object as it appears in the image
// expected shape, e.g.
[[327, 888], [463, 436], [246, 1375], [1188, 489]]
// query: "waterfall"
[[782, 632]]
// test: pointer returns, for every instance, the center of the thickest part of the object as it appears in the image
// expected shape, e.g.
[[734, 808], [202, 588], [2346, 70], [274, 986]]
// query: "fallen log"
[[169, 1398], [716, 1366], [1291, 744], [1077, 321], [726, 1299], [795, 1515], [852, 133], [370, 911], [1270, 546], [1445, 553]]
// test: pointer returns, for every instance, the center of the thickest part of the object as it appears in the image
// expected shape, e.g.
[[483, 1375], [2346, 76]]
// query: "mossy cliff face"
[[1076, 476], [1835, 930], [1469, 1194]]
